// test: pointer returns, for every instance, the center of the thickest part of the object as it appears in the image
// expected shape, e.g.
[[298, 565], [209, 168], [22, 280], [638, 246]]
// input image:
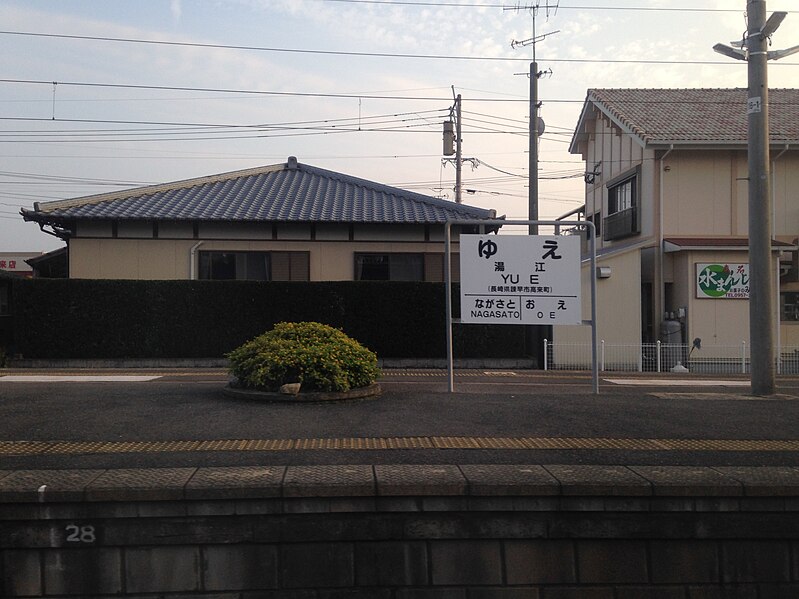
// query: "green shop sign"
[[722, 281]]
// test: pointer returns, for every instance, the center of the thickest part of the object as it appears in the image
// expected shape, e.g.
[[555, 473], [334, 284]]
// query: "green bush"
[[318, 356]]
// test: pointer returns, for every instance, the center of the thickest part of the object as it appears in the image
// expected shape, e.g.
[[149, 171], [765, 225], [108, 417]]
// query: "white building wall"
[[618, 302]]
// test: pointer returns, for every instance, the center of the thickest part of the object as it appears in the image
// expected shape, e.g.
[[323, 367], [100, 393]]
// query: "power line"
[[350, 95], [36, 178], [364, 54], [171, 126], [523, 7], [254, 48], [236, 91], [191, 133]]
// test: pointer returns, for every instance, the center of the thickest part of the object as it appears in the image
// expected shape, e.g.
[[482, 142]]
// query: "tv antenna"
[[536, 124]]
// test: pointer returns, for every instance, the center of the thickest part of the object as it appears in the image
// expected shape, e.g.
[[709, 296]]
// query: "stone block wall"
[[402, 532]]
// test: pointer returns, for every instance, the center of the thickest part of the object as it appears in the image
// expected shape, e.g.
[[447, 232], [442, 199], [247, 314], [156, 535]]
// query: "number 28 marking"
[[80, 534]]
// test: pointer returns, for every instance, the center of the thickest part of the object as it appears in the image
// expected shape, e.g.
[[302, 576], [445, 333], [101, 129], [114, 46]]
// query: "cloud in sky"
[[107, 150]]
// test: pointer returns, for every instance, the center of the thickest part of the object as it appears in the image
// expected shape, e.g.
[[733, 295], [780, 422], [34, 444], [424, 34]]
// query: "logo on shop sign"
[[727, 281]]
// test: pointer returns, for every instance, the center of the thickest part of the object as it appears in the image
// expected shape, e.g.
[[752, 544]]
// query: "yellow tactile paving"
[[29, 448]]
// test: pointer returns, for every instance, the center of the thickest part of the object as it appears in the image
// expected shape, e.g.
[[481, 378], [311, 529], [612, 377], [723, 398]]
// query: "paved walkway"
[[179, 417]]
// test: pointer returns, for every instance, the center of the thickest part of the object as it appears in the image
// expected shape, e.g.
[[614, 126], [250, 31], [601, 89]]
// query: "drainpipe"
[[659, 257], [193, 260], [774, 235], [773, 181]]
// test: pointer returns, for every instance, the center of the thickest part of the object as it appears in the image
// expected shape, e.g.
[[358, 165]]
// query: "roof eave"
[[579, 134], [58, 226], [711, 144], [592, 100]]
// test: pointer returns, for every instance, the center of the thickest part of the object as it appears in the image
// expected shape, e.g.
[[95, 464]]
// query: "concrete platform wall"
[[402, 532]]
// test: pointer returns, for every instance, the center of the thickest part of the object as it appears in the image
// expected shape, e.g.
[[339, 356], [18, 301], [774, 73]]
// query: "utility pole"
[[762, 320], [762, 314], [535, 124], [534, 334], [532, 192], [452, 144], [458, 152]]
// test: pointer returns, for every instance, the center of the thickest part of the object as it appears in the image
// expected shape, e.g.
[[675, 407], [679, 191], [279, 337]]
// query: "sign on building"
[[520, 279], [722, 281], [16, 262]]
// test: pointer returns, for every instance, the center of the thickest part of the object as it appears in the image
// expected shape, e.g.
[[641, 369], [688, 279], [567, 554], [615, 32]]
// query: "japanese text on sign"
[[520, 279], [722, 281]]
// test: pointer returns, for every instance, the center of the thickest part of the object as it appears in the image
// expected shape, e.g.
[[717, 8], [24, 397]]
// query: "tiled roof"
[[290, 192], [692, 116]]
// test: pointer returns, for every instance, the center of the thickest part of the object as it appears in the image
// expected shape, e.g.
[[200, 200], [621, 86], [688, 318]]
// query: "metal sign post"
[[500, 284]]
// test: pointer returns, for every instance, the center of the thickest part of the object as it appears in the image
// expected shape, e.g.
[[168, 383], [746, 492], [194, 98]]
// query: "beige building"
[[284, 222], [666, 188]]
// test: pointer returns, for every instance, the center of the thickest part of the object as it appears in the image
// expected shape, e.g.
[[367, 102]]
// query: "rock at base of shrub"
[[290, 388]]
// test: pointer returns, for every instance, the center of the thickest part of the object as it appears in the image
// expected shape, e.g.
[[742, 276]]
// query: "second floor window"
[[623, 208], [622, 196]]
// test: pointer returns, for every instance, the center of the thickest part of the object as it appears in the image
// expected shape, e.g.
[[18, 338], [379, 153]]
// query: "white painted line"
[[678, 382], [112, 378]]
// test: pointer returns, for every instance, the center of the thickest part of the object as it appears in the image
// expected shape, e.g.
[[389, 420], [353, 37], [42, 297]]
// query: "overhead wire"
[[363, 54], [479, 125], [530, 6]]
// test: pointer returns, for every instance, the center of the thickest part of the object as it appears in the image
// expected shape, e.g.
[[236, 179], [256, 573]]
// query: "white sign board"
[[16, 262], [722, 280], [520, 279]]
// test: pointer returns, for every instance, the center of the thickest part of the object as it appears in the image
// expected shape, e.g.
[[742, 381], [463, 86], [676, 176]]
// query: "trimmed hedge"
[[91, 319], [315, 355]]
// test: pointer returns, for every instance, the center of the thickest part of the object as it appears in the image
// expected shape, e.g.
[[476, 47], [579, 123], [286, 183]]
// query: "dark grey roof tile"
[[272, 193]]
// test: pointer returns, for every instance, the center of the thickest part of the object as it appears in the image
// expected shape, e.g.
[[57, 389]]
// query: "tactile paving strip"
[[23, 448]]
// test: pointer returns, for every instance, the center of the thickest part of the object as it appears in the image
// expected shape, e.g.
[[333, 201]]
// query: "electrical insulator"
[[449, 138]]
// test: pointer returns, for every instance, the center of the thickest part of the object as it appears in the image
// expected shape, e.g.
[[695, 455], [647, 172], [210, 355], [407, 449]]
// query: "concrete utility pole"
[[452, 144], [535, 125], [762, 319], [458, 152], [762, 314], [532, 194]]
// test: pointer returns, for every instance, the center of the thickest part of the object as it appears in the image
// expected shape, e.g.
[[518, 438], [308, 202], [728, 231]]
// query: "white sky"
[[66, 140]]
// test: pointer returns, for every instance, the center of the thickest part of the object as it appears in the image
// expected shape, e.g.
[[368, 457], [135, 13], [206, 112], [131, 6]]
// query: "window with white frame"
[[789, 306], [623, 218]]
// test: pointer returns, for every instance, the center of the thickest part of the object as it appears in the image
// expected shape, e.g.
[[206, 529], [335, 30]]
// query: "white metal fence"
[[662, 357]]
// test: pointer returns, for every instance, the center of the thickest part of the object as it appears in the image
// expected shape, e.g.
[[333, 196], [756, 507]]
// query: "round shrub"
[[319, 357]]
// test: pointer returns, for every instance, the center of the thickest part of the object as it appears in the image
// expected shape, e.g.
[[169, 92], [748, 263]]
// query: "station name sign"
[[520, 279]]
